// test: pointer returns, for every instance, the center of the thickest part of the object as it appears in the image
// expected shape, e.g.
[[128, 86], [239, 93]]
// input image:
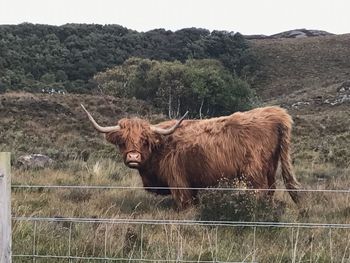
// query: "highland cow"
[[175, 155]]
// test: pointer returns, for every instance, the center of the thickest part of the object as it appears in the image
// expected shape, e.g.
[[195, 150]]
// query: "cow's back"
[[243, 143]]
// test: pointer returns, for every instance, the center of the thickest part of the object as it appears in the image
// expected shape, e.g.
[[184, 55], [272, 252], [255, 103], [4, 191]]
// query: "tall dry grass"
[[169, 242]]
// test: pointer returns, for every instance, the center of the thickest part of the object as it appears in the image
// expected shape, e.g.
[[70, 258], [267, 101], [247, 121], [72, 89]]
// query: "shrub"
[[203, 87], [232, 205]]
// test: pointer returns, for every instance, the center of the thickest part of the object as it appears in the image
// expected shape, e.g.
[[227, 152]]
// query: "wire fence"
[[106, 187], [122, 259], [182, 222], [158, 222]]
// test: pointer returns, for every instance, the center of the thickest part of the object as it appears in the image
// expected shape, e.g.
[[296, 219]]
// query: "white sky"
[[245, 16]]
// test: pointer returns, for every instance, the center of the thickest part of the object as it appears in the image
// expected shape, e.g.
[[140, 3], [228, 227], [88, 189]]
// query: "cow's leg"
[[180, 192], [288, 176], [183, 198], [271, 178], [263, 182], [173, 170], [148, 184], [271, 188]]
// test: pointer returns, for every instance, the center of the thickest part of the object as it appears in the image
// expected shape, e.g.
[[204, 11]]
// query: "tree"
[[81, 51], [48, 78], [61, 76], [204, 87]]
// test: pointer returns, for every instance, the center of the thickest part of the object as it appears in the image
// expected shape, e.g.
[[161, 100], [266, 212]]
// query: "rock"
[[300, 33], [296, 33], [34, 161], [340, 99], [299, 104], [257, 37], [344, 87]]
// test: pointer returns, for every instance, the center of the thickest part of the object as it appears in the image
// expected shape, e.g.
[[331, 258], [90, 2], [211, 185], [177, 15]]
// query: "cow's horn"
[[169, 130], [98, 127]]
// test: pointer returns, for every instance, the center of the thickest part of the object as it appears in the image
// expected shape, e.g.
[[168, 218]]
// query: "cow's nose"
[[133, 157]]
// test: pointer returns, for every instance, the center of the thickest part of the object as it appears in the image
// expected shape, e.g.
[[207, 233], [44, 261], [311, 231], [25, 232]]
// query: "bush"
[[238, 205], [202, 87]]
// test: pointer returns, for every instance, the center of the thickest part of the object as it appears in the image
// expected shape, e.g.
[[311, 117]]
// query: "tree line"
[[66, 58]]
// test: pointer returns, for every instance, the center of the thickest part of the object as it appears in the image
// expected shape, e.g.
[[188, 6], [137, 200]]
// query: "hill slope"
[[57, 126], [311, 78], [289, 65]]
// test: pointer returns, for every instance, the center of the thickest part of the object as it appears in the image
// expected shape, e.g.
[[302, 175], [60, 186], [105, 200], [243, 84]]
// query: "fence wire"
[[106, 187], [182, 222], [125, 259]]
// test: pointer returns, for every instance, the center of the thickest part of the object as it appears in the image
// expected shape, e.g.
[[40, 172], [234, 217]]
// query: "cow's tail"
[[289, 178]]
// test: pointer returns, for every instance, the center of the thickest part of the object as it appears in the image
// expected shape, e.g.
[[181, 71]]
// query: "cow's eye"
[[121, 144], [145, 143]]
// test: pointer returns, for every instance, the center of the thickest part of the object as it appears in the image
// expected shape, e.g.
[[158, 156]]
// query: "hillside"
[[295, 64], [54, 124], [311, 78]]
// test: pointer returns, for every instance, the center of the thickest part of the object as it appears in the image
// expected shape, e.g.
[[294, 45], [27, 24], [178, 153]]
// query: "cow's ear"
[[158, 140], [112, 137]]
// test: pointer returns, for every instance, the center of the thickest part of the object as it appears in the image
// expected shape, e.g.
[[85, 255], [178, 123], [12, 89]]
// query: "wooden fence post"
[[5, 208]]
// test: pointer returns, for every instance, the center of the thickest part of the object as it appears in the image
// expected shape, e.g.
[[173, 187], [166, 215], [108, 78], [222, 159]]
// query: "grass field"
[[306, 76], [170, 242], [320, 156]]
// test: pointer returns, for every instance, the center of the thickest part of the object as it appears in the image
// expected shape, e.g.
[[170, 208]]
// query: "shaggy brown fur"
[[200, 152]]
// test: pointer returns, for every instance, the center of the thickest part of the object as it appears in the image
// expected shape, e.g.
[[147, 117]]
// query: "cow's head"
[[136, 138]]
